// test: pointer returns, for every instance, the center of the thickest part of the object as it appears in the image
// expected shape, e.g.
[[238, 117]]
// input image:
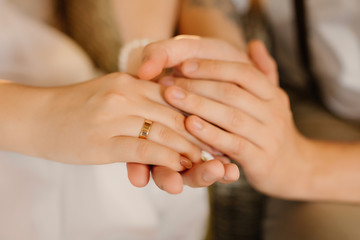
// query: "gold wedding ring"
[[145, 130]]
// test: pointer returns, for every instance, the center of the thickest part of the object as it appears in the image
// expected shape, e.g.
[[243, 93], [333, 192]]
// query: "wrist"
[[320, 171], [20, 113]]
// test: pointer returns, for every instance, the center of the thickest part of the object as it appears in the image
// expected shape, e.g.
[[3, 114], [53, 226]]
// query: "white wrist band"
[[127, 49]]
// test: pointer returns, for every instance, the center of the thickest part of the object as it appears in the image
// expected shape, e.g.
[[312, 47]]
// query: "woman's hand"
[[98, 122], [241, 111]]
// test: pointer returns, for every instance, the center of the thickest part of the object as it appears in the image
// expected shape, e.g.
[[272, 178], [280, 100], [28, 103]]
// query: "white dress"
[[45, 200]]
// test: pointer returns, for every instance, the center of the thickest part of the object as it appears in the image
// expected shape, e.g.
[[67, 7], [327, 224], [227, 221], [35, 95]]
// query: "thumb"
[[263, 60], [172, 52]]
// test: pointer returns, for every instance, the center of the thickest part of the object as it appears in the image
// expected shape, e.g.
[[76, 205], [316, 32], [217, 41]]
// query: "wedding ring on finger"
[[145, 129]]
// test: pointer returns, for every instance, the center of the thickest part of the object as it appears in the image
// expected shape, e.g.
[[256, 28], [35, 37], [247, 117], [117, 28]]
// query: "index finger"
[[244, 75], [171, 52]]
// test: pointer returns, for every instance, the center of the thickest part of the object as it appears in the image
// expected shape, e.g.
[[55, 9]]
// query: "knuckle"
[[165, 134], [229, 92], [113, 99], [235, 119], [238, 148], [210, 66], [119, 77], [179, 122], [186, 84], [120, 80], [249, 72]]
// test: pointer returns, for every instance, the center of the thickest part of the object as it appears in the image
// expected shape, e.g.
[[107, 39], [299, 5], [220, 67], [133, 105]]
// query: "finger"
[[263, 60], [223, 159], [236, 147], [245, 75], [170, 118], [223, 92], [169, 53], [160, 134], [131, 149], [232, 173], [204, 174], [167, 179], [138, 174], [226, 117]]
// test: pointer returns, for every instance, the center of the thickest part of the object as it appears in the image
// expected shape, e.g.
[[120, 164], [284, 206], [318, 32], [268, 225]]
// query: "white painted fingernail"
[[206, 156]]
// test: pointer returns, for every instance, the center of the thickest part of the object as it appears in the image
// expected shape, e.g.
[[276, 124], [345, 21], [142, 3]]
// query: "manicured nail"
[[190, 66], [186, 163], [178, 93], [167, 81], [197, 124], [207, 177], [206, 156]]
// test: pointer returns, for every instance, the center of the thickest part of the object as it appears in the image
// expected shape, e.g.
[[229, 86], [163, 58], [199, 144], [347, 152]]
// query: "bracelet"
[[127, 49]]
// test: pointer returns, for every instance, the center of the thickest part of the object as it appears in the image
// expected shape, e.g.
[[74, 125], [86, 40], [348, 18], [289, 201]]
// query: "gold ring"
[[145, 130]]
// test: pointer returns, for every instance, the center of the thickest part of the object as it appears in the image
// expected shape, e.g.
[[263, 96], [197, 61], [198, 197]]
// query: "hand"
[[254, 116], [98, 122], [170, 53], [200, 175]]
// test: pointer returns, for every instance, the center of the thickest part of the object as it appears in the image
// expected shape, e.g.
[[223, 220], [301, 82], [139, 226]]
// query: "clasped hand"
[[235, 106]]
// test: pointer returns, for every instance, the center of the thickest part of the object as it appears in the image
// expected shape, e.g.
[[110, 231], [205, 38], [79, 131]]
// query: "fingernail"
[[167, 81], [207, 177], [226, 178], [190, 66], [178, 93], [206, 156], [186, 163], [197, 124]]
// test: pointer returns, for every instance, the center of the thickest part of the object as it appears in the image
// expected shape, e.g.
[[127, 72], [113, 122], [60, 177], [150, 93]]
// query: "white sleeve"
[[335, 46]]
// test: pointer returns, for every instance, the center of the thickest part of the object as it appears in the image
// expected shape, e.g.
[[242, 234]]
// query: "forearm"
[[20, 108], [154, 20], [337, 177], [211, 18]]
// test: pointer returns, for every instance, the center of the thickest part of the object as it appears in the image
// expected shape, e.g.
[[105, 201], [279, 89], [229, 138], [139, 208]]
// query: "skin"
[[98, 122], [201, 17], [170, 53], [95, 122], [256, 125]]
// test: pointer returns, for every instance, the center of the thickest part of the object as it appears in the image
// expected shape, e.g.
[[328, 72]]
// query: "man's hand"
[[239, 109], [170, 53]]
